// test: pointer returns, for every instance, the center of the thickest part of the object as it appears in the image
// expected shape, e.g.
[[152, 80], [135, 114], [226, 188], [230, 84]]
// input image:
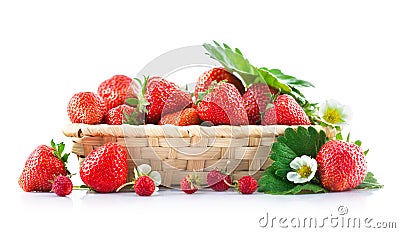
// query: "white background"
[[50, 50]]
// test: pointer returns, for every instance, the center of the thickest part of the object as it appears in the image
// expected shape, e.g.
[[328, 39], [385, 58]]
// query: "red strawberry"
[[115, 90], [105, 169], [217, 74], [86, 107], [144, 186], [123, 114], [164, 97], [223, 106], [190, 183], [62, 186], [341, 165], [246, 185], [286, 111], [216, 180], [187, 116], [256, 99], [42, 166]]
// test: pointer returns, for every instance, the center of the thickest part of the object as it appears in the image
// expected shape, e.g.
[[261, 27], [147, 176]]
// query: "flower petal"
[[145, 169], [296, 163], [293, 176], [156, 176]]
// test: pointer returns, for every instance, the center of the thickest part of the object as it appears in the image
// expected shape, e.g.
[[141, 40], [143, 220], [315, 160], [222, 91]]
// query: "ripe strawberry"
[[144, 186], [216, 180], [286, 111], [341, 165], [256, 99], [106, 168], [115, 90], [217, 74], [246, 185], [187, 116], [123, 114], [190, 183], [223, 106], [62, 186], [164, 97], [86, 107], [42, 165]]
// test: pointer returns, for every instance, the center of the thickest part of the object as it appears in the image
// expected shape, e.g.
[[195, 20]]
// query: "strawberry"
[[190, 183], [341, 165], [187, 116], [62, 186], [217, 180], [256, 99], [223, 105], [106, 168], [164, 97], [123, 114], [86, 107], [286, 111], [144, 186], [246, 185], [217, 74], [115, 90], [42, 165]]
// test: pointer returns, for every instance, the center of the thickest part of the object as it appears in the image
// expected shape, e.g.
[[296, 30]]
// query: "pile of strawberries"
[[219, 98]]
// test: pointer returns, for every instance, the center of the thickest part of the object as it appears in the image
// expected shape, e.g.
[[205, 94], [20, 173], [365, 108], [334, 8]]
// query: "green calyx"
[[202, 94], [140, 105], [58, 153], [194, 181]]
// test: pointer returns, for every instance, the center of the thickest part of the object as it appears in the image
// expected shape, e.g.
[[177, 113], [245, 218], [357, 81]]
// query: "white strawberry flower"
[[304, 168], [145, 169], [334, 113]]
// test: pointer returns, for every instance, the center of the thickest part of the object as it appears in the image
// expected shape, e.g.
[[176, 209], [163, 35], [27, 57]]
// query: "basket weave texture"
[[175, 151]]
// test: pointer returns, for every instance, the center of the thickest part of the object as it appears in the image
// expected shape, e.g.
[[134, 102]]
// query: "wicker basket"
[[175, 151]]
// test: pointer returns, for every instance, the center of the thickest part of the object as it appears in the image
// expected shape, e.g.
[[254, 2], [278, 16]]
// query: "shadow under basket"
[[176, 151]]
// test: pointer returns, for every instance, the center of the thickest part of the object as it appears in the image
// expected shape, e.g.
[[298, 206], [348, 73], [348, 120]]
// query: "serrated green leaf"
[[307, 188], [270, 183], [369, 182], [358, 143]]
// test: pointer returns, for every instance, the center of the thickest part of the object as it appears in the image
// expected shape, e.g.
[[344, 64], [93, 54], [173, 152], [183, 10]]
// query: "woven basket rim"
[[79, 130]]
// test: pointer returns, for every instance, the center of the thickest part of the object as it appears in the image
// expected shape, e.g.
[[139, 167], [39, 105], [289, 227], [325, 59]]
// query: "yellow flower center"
[[304, 171], [332, 116]]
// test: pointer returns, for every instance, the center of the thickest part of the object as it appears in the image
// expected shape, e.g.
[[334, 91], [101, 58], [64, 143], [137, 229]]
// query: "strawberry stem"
[[124, 185]]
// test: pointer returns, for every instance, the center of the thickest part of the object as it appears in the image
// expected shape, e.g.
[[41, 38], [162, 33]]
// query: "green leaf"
[[358, 143], [366, 152], [270, 183], [339, 136], [369, 182], [53, 144], [132, 101], [303, 141]]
